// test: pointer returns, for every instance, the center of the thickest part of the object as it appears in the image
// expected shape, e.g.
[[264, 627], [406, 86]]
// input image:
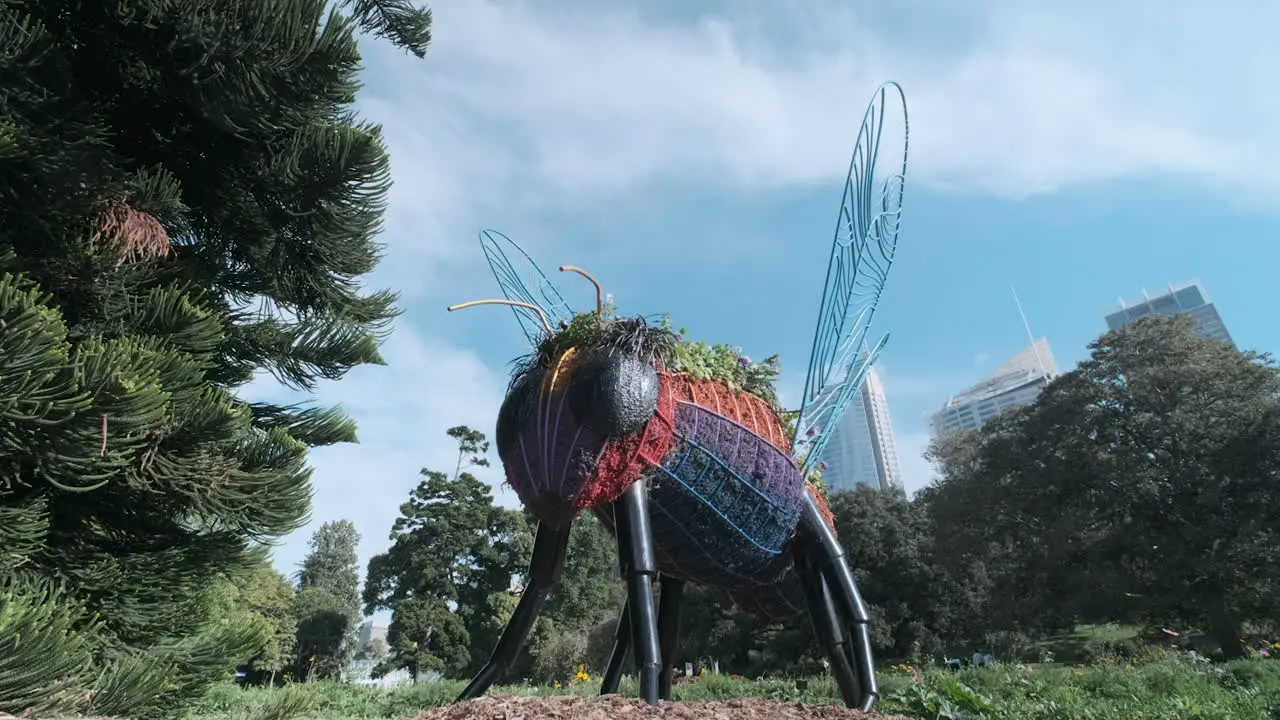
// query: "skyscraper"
[[862, 450], [371, 630], [1186, 299], [1017, 382]]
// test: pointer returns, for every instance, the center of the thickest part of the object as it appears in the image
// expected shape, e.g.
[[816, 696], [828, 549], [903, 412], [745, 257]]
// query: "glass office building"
[[1186, 299], [862, 450], [1017, 382]]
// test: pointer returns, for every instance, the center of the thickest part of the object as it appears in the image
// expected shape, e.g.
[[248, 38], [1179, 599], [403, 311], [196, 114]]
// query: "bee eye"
[[612, 393]]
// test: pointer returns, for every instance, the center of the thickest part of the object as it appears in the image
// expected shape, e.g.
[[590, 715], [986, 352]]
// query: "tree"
[[886, 540], [586, 595], [1147, 477], [328, 606], [186, 200], [452, 550], [257, 594]]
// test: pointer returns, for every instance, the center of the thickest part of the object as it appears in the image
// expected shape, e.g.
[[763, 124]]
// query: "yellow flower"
[[556, 686], [415, 644]]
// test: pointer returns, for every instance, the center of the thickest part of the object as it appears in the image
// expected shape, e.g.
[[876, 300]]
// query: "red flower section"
[[822, 505], [741, 407]]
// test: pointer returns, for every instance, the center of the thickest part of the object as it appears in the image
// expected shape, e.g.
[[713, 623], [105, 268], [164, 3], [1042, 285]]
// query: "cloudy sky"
[[693, 160]]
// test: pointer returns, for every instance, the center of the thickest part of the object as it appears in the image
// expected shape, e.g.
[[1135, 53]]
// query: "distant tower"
[[1017, 382], [862, 450], [372, 630], [1186, 299]]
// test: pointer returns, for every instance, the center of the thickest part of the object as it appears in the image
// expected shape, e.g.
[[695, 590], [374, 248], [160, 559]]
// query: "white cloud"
[[403, 410], [916, 471], [520, 114], [523, 106]]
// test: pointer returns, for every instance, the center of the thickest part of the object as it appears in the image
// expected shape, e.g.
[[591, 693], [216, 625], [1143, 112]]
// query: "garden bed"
[[617, 707]]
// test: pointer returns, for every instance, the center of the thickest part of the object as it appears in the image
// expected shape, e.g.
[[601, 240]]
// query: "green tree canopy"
[[187, 200], [1143, 484], [452, 550], [328, 605], [887, 541]]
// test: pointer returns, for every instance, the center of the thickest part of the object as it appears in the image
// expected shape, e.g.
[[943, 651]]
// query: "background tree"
[[258, 594], [328, 605], [186, 200], [452, 553], [887, 542], [1145, 478], [587, 595]]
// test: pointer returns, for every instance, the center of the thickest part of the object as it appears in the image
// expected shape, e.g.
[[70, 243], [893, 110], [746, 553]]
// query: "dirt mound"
[[616, 707]]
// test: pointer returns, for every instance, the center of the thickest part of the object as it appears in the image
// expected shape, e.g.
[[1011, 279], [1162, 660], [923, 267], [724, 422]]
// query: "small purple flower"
[[823, 465], [744, 362], [813, 431]]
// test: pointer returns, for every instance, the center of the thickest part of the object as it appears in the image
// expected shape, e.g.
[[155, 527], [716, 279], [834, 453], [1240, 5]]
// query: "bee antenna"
[[514, 303], [599, 292]]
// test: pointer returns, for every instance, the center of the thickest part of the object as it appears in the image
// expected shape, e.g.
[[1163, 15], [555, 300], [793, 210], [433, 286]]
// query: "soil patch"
[[616, 707]]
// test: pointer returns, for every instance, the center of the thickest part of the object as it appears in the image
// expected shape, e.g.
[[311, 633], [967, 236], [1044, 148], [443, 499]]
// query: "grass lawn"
[[1167, 688], [1073, 647]]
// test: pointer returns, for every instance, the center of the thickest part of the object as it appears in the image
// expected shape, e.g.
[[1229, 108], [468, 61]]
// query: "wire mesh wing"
[[865, 240], [524, 282]]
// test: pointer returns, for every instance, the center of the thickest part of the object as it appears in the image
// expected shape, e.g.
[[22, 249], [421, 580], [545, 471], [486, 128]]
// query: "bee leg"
[[846, 598], [827, 627], [669, 630], [549, 547], [639, 567], [621, 645]]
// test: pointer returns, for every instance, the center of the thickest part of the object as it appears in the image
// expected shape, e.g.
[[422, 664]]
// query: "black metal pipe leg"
[[639, 567], [827, 628], [621, 645], [849, 606], [549, 546], [669, 630]]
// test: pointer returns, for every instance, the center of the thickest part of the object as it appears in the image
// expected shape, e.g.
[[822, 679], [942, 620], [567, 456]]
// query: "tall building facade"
[[1017, 382], [371, 630], [862, 450], [1188, 298]]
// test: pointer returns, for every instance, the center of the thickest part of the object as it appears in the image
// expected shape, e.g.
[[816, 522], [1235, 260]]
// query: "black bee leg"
[[847, 601], [669, 630], [549, 546], [827, 627], [621, 645], [639, 567]]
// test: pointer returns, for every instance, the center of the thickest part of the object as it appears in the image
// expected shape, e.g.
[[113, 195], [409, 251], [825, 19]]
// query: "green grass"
[[1166, 687], [1077, 646]]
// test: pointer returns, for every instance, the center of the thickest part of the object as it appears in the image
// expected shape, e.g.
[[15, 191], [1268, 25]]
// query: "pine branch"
[[399, 21]]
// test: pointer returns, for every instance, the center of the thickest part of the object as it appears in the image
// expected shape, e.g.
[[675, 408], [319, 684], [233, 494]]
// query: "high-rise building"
[[862, 450], [1186, 299], [1017, 382], [372, 629]]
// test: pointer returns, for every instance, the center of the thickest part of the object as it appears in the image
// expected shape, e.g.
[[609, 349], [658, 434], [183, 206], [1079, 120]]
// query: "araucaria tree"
[[1140, 486], [186, 200]]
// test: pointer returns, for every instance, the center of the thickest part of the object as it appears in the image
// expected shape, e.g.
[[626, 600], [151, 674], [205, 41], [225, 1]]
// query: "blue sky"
[[693, 160]]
